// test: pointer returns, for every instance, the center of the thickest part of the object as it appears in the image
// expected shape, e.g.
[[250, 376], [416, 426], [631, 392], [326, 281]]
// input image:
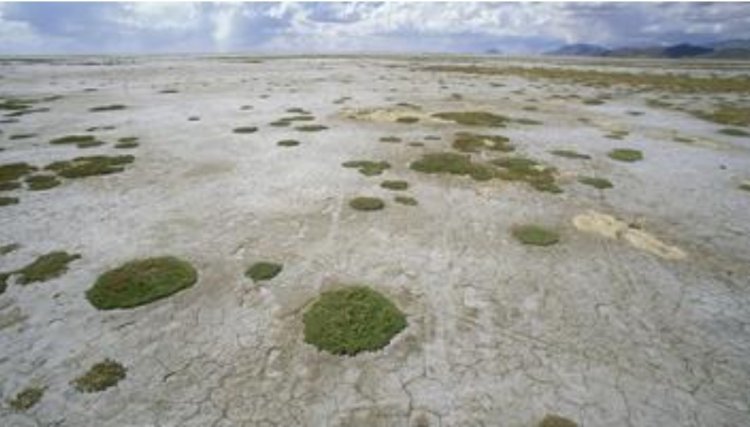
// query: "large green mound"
[[351, 320], [141, 282]]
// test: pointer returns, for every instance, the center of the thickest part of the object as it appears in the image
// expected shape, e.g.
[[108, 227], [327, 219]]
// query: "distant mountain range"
[[726, 49]]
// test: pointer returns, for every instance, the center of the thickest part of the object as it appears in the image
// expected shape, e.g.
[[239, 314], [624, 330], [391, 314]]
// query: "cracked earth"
[[638, 317]]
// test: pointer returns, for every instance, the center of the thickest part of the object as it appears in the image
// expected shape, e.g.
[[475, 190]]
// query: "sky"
[[399, 27]]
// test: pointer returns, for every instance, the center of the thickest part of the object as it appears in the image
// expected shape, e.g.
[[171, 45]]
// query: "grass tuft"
[[395, 185], [42, 182], [46, 267], [625, 155], [535, 235], [140, 282], [473, 118], [454, 164], [311, 128], [392, 139], [127, 142], [82, 167], [352, 320], [734, 132], [556, 421], [101, 376], [263, 271], [406, 200], [6, 201], [540, 177], [112, 107], [366, 203], [472, 142], [407, 119], [26, 398], [367, 167], [288, 143], [13, 171], [599, 183], [245, 129], [570, 154]]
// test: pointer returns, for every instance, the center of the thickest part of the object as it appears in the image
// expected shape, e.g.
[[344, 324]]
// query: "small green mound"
[[101, 376], [26, 398], [10, 185], [593, 101], [311, 128], [288, 143], [82, 141], [392, 139], [367, 167], [140, 282], [473, 118], [472, 142], [112, 107], [366, 203], [263, 271], [744, 186], [540, 177], [727, 114], [10, 247], [13, 171], [535, 235], [734, 132], [42, 182], [528, 122], [127, 142], [169, 91], [22, 136], [407, 119], [395, 185], [452, 163], [618, 134], [556, 421], [82, 167], [625, 155], [405, 200], [245, 129], [599, 183], [570, 154], [7, 201], [3, 282], [352, 320], [46, 267]]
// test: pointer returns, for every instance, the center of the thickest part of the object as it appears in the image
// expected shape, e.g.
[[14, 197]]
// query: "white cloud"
[[159, 16]]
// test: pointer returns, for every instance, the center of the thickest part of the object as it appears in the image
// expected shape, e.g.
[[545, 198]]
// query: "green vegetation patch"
[[82, 167], [111, 107], [26, 398], [3, 282], [101, 376], [311, 128], [82, 141], [599, 183], [625, 155], [407, 119], [454, 164], [9, 185], [288, 143], [556, 421], [392, 139], [140, 282], [13, 171], [46, 267], [539, 176], [245, 129], [395, 185], [744, 186], [734, 132], [42, 182], [352, 320], [727, 114], [607, 79], [22, 136], [406, 200], [473, 118], [472, 142], [535, 235], [367, 167], [366, 203], [263, 271], [570, 154], [6, 201], [10, 247], [127, 142]]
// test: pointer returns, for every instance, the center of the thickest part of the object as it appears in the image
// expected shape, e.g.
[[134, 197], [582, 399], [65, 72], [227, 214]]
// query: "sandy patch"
[[387, 114], [613, 228]]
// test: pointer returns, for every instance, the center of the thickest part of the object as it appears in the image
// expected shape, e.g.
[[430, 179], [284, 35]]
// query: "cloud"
[[337, 27]]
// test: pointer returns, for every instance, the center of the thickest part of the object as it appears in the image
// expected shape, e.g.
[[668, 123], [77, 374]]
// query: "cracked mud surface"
[[594, 328]]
